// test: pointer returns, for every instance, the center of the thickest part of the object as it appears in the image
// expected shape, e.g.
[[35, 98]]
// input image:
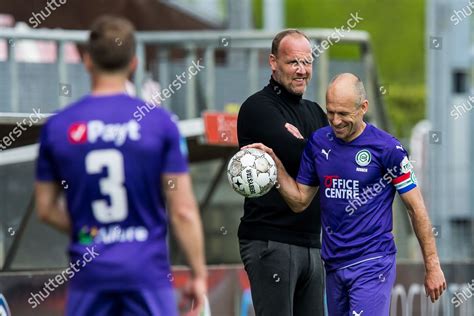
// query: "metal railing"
[[211, 46], [204, 43]]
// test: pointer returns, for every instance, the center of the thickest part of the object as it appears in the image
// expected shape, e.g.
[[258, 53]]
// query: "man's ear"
[[88, 63], [132, 66], [365, 106], [272, 61]]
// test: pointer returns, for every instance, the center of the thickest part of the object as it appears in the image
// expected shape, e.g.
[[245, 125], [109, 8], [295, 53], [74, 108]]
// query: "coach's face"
[[292, 66], [345, 111]]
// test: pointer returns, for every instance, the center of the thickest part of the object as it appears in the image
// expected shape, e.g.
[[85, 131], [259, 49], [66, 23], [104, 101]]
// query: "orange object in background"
[[220, 128]]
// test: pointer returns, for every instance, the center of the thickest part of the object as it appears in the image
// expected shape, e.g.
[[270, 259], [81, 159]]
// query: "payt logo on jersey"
[[337, 188], [77, 133], [92, 131], [4, 309]]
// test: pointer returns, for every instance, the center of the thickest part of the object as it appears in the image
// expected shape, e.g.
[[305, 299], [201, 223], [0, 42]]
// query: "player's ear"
[[365, 106], [272, 61], [88, 63], [133, 64]]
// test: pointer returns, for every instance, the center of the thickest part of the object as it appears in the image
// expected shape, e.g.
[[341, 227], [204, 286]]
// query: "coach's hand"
[[435, 282], [196, 290], [294, 131]]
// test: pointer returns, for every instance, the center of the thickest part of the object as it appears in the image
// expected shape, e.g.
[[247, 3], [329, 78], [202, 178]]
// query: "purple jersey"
[[111, 166], [357, 182]]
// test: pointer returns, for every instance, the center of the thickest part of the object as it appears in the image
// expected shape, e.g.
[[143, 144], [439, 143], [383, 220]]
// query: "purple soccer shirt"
[[357, 182], [111, 167]]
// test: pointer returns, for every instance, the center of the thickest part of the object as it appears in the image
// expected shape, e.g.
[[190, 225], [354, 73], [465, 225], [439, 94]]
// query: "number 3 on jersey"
[[112, 185]]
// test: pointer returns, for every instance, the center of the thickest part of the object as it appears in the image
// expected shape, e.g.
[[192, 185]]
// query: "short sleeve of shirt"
[[400, 168], [175, 151], [45, 165], [307, 173]]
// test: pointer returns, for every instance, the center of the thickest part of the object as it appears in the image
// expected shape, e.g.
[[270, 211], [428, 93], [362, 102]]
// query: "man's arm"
[[187, 227], [298, 196], [435, 282], [50, 206], [260, 121]]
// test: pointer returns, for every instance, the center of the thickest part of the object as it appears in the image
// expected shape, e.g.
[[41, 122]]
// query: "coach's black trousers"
[[285, 280]]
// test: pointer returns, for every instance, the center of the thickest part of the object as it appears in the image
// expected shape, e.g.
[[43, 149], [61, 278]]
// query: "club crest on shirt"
[[363, 157]]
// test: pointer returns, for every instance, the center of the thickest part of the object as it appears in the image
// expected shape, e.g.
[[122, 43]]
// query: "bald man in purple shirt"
[[358, 168]]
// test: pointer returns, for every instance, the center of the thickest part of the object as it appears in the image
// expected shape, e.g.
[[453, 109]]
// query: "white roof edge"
[[187, 128], [19, 155]]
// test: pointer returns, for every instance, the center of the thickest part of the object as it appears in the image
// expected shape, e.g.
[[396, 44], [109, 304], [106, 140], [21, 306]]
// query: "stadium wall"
[[229, 292]]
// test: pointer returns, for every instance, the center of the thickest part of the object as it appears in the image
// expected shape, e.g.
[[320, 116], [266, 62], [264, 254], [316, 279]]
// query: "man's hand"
[[294, 131], [185, 220], [51, 206], [298, 196], [195, 290], [269, 151], [435, 283]]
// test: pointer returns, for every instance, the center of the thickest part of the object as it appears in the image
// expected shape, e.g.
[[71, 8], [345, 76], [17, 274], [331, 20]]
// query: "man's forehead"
[[341, 90], [340, 103], [295, 46]]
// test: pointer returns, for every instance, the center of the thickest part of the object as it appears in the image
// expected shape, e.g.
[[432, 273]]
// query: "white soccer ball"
[[251, 172]]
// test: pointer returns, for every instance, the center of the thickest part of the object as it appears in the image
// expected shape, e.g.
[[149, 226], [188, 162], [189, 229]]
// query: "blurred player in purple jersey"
[[119, 174], [358, 168]]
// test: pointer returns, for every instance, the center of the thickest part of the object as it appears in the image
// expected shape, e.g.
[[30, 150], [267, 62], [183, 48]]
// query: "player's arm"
[[50, 205], [435, 282], [186, 222], [298, 196]]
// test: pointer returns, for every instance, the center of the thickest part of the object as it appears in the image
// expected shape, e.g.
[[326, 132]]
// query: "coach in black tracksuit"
[[279, 248]]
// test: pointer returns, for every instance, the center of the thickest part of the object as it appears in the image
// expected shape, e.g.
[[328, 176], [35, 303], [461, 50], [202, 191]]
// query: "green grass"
[[397, 31]]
